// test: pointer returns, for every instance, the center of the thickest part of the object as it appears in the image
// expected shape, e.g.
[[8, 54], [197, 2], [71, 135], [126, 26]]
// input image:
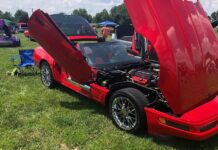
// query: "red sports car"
[[176, 95]]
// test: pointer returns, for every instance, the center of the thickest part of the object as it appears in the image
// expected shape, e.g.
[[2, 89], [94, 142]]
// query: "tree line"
[[214, 16], [117, 14], [19, 16]]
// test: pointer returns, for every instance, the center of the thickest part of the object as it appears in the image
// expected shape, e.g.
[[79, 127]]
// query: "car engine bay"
[[144, 75]]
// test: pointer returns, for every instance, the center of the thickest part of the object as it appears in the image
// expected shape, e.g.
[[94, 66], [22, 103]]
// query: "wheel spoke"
[[45, 74], [130, 122], [124, 113]]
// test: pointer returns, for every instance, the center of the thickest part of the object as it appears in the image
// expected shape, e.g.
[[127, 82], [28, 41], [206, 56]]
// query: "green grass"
[[34, 117]]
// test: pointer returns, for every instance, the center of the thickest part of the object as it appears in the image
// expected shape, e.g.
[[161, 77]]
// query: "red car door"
[[44, 30]]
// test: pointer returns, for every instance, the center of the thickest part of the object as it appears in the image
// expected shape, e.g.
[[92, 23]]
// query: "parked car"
[[27, 34], [134, 42], [177, 95], [6, 37], [124, 34], [22, 27]]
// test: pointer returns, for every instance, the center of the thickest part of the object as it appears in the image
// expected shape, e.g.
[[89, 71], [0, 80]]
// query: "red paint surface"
[[186, 45], [194, 120], [48, 35], [187, 49]]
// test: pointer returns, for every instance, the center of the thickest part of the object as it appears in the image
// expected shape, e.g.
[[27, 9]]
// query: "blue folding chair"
[[26, 60]]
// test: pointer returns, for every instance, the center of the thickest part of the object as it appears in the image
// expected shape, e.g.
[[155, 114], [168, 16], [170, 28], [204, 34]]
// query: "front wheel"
[[126, 108], [46, 75]]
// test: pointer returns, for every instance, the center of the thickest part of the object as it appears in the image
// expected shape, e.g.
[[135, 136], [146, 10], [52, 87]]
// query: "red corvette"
[[176, 95]]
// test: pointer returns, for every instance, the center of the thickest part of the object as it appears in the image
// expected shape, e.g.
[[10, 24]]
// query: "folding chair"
[[26, 61]]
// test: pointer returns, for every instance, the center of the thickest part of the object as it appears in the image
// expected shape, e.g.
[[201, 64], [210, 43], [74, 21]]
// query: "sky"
[[67, 6]]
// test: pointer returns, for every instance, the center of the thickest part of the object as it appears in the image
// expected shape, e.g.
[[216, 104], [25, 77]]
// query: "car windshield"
[[107, 55]]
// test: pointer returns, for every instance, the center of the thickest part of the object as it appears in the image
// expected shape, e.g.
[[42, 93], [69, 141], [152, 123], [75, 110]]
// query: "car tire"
[[46, 75], [126, 108]]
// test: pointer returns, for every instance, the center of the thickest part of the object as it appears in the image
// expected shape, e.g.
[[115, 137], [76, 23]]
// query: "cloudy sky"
[[67, 6]]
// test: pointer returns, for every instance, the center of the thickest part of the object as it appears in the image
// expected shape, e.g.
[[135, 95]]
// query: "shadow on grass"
[[9, 47], [179, 143], [170, 141], [83, 103], [28, 74]]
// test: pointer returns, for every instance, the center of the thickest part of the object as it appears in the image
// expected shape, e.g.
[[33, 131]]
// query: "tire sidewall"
[[51, 83], [138, 106]]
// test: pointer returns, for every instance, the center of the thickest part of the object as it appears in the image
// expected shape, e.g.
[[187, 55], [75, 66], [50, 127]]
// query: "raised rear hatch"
[[186, 45]]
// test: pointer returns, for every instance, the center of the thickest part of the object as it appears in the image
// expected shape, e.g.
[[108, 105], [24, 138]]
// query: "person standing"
[[105, 32]]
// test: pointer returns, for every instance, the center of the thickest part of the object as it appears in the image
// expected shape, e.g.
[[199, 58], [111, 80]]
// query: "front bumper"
[[198, 124]]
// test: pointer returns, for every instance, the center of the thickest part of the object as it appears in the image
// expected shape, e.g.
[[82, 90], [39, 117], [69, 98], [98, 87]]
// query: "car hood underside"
[[186, 45]]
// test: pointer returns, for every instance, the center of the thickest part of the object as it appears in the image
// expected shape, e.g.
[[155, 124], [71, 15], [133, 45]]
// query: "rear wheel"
[[46, 75], [126, 108]]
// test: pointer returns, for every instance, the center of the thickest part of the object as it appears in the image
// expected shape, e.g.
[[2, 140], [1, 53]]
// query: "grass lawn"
[[34, 117]]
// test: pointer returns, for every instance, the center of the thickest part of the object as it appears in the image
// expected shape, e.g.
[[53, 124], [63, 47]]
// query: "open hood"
[[186, 46], [48, 34]]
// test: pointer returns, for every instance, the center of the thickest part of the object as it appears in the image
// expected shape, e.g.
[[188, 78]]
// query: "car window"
[[73, 25], [107, 54]]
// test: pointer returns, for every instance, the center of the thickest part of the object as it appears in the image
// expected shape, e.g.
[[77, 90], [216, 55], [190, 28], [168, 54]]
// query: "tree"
[[214, 16], [83, 13], [7, 15], [21, 16], [119, 15], [1, 14], [102, 16]]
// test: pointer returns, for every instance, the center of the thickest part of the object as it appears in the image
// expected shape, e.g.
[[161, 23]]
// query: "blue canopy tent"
[[108, 23]]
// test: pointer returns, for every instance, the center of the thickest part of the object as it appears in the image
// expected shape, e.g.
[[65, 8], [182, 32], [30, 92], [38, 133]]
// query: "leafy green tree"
[[214, 16], [21, 16], [102, 16], [119, 15], [1, 14], [7, 15], [83, 13]]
